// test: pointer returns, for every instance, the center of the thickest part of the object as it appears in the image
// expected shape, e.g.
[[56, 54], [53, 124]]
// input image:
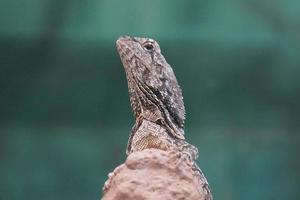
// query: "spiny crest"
[[143, 60]]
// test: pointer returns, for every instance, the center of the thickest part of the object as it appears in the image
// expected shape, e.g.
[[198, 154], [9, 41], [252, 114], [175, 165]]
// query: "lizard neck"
[[146, 135], [146, 105]]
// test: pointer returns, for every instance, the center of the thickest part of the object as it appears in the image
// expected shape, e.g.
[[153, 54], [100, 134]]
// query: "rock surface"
[[153, 174]]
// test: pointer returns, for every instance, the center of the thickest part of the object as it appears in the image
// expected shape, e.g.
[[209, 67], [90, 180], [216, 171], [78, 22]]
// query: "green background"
[[64, 110]]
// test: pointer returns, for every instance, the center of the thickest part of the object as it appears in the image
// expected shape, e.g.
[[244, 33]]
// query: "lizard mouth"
[[121, 44], [124, 50]]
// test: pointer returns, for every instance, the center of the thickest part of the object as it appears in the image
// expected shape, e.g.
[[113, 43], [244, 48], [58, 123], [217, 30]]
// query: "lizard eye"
[[148, 46]]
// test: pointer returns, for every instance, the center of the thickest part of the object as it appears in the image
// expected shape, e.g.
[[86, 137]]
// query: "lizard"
[[156, 100]]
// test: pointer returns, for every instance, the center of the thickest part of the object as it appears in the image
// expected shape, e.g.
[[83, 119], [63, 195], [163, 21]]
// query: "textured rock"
[[153, 174]]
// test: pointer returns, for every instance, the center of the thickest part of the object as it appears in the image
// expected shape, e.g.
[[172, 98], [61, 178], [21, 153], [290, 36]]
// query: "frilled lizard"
[[156, 100]]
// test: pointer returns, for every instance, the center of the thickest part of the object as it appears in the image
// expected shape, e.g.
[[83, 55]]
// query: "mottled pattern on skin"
[[156, 100], [149, 69]]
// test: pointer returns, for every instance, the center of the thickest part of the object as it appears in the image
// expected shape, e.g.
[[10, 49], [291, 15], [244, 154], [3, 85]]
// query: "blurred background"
[[65, 115]]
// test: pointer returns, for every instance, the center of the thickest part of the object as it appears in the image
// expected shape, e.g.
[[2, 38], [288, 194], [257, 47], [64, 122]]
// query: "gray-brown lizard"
[[156, 100]]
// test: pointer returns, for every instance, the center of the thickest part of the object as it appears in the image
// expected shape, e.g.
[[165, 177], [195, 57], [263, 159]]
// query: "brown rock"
[[153, 174]]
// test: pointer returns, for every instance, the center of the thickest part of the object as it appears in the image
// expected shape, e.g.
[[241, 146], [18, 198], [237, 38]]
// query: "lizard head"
[[141, 55], [144, 63]]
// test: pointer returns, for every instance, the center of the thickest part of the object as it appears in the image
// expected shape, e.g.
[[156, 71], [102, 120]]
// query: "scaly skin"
[[156, 100]]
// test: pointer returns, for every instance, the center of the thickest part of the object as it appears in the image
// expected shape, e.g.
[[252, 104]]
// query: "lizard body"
[[156, 100]]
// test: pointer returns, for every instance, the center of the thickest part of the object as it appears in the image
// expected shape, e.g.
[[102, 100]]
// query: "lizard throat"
[[146, 105]]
